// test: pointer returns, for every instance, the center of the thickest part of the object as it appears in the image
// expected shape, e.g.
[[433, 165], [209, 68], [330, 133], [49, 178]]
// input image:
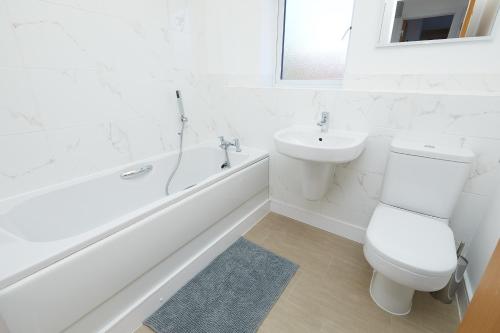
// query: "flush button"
[[430, 146]]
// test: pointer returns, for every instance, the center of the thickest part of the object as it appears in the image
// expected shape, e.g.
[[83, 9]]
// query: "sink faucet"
[[224, 144], [324, 123]]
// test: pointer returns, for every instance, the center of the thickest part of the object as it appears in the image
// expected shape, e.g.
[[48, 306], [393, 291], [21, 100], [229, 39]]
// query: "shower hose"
[[179, 157]]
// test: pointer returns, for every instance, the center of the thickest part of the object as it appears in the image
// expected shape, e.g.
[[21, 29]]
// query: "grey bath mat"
[[234, 293]]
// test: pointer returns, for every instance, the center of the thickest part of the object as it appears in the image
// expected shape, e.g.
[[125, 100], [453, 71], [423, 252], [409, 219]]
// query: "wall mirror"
[[423, 21]]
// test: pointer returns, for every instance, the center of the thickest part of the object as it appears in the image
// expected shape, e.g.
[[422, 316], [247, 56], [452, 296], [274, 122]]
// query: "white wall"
[[484, 242], [387, 27], [488, 17], [455, 109], [454, 58], [239, 38], [483, 17], [447, 93], [475, 18], [239, 43], [255, 114], [87, 85]]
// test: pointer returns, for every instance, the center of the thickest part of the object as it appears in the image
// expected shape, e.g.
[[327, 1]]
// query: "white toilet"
[[408, 241]]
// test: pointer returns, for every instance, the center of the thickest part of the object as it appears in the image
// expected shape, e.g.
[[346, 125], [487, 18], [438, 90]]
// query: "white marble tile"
[[355, 190], [374, 158], [358, 190], [27, 163], [45, 36], [83, 150], [298, 104], [378, 110], [10, 55], [351, 111], [146, 10], [25, 10], [468, 214], [18, 109], [477, 116], [430, 114], [485, 172], [99, 79], [70, 97], [347, 214], [426, 83], [137, 138], [60, 36], [98, 91]]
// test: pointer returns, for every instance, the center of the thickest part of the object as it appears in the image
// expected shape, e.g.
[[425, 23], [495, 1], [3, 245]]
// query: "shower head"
[[180, 105]]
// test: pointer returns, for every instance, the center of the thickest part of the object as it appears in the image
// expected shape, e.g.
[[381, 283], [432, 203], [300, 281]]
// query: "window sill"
[[310, 84]]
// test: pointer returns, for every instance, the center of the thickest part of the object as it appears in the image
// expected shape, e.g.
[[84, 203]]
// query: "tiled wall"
[[87, 85], [471, 121]]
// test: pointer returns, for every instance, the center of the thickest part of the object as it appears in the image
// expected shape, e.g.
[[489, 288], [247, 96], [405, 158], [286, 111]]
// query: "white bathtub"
[[67, 249]]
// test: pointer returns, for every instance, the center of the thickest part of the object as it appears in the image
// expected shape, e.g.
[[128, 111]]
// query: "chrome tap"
[[225, 145], [324, 123]]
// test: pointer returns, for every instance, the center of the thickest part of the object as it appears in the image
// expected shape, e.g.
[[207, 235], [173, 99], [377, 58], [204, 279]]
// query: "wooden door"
[[468, 15], [483, 314]]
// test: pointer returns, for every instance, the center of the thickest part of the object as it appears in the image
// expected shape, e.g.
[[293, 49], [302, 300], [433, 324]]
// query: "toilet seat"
[[412, 249]]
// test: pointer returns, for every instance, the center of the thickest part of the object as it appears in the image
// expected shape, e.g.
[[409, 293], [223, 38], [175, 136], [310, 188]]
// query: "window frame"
[[278, 81]]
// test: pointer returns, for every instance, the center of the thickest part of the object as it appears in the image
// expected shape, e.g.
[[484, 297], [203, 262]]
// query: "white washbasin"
[[310, 144]]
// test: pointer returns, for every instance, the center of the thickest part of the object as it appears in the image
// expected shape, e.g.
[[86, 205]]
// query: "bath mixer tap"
[[324, 123], [224, 144]]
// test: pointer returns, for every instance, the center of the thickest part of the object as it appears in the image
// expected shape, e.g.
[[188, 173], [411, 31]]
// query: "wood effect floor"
[[329, 292]]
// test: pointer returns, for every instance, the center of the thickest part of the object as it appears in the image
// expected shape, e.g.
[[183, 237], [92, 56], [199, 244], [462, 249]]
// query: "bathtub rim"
[[7, 203], [67, 246]]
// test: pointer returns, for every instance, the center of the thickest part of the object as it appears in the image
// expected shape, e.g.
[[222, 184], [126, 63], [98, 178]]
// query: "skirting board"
[[334, 226], [354, 233]]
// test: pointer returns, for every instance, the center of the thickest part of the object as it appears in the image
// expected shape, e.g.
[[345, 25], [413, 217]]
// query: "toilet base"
[[391, 296]]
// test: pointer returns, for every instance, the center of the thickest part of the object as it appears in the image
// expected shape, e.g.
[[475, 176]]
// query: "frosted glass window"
[[315, 39]]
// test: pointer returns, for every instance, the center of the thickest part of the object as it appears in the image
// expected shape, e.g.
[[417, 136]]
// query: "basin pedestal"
[[319, 152], [315, 179]]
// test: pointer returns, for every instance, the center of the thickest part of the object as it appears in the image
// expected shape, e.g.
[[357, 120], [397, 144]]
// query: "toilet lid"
[[416, 242]]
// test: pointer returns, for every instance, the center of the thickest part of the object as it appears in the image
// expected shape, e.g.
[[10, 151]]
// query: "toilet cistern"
[[324, 123]]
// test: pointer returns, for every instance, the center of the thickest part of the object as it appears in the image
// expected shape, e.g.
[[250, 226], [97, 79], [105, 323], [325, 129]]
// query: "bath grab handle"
[[136, 173]]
